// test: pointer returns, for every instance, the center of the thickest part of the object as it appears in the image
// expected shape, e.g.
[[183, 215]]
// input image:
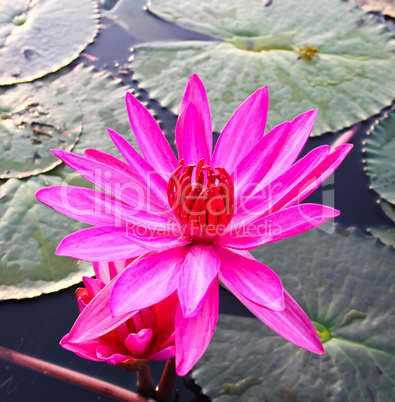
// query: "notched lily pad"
[[41, 36], [29, 230], [380, 161], [35, 118], [29, 235], [344, 283], [102, 101], [326, 54], [386, 234]]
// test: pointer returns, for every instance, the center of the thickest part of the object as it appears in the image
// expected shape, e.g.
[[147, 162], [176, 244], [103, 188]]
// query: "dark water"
[[35, 326]]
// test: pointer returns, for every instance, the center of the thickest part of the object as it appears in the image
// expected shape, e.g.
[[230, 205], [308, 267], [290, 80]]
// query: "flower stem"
[[70, 376], [167, 381], [145, 385]]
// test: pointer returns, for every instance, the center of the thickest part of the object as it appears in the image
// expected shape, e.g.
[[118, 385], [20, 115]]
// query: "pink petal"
[[149, 177], [107, 271], [120, 333], [138, 344], [194, 334], [113, 354], [87, 349], [147, 281], [82, 204], [320, 174], [153, 144], [93, 286], [198, 272], [110, 244], [280, 225], [243, 131], [345, 137], [194, 145], [144, 319], [111, 180], [163, 355], [155, 239], [82, 300], [273, 154], [156, 346], [144, 201], [165, 311], [110, 160], [100, 209], [253, 280], [195, 93], [96, 319], [156, 222], [292, 323], [114, 163], [281, 190]]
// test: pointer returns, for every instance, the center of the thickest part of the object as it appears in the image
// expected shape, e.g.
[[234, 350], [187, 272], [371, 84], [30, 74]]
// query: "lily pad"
[[326, 54], [29, 235], [387, 7], [344, 283], [388, 209], [380, 161], [386, 234], [41, 36], [29, 230], [34, 118], [102, 101]]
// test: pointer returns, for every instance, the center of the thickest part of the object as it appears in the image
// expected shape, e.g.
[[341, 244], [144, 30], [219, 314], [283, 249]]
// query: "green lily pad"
[[71, 96], [41, 36], [34, 118], [344, 283], [326, 54], [386, 234], [388, 209], [380, 161], [29, 230], [387, 7], [102, 101], [29, 235]]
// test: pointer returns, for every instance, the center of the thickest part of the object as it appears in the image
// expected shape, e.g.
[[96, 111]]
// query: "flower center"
[[204, 205]]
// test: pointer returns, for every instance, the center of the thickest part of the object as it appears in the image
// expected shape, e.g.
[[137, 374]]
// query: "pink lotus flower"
[[142, 336], [199, 215]]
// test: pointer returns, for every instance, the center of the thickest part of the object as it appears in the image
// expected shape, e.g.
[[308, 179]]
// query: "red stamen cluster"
[[205, 207]]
